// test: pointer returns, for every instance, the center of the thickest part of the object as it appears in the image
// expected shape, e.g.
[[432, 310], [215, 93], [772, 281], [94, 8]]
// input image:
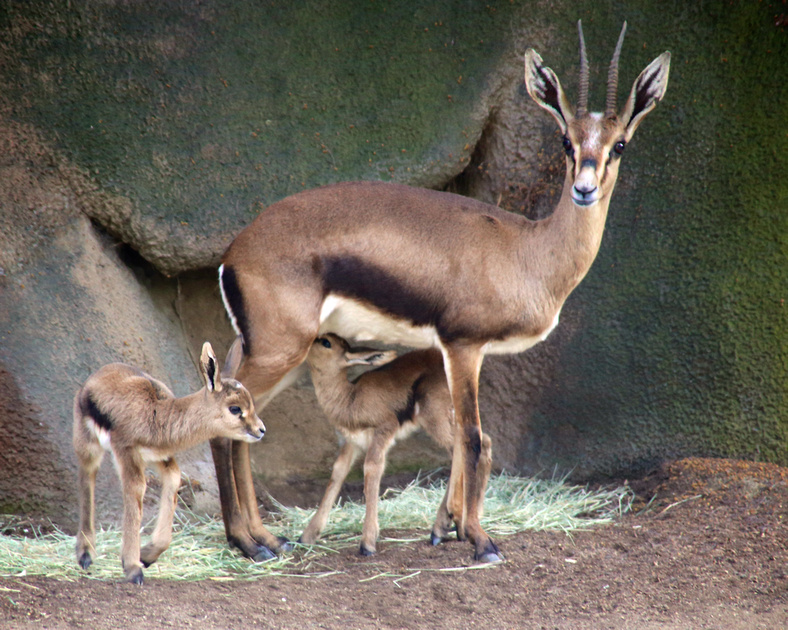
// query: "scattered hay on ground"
[[199, 549]]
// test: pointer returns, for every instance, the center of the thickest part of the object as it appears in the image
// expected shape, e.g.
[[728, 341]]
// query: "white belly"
[[515, 345], [353, 320], [363, 438]]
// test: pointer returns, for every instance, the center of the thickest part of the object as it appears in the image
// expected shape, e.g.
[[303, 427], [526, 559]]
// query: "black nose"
[[586, 191]]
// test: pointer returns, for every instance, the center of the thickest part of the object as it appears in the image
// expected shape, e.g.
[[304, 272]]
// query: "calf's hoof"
[[440, 534], [286, 545], [365, 551]]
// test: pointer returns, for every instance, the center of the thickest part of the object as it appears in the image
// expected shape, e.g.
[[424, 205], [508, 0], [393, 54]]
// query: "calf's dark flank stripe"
[[235, 301], [406, 413], [90, 408]]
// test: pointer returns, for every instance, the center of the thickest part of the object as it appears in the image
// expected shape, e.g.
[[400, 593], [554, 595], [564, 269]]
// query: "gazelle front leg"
[[345, 460], [463, 363], [170, 475], [374, 465], [132, 476]]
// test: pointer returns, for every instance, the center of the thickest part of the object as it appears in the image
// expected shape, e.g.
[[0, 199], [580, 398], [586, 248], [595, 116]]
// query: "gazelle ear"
[[234, 357], [368, 356], [648, 89], [209, 368], [545, 88]]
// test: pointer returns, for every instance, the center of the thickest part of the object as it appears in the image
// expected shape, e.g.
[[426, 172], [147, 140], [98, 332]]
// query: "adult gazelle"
[[373, 260]]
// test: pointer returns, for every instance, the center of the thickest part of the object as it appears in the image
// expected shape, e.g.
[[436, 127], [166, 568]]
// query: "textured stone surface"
[[137, 138]]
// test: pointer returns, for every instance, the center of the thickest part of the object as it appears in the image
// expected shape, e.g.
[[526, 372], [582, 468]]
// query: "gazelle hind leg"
[[443, 521], [89, 462], [132, 475], [344, 462], [162, 536], [374, 465]]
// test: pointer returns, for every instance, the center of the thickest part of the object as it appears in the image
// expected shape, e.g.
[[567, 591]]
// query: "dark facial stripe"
[[89, 408], [406, 413], [235, 302]]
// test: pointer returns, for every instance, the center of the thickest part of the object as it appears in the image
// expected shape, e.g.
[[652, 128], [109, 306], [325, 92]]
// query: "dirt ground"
[[710, 551]]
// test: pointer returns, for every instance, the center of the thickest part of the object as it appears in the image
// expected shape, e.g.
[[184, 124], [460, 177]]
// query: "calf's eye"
[[618, 147], [235, 410]]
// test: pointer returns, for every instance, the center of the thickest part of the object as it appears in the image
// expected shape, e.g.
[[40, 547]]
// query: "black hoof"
[[365, 552], [435, 540], [85, 560], [263, 554], [489, 558], [286, 545], [489, 555], [135, 578]]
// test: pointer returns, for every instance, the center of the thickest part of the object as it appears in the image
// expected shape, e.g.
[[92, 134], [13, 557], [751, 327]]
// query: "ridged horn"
[[612, 78], [582, 99]]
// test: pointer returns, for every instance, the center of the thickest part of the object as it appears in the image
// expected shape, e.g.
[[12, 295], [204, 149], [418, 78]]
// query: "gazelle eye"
[[326, 343], [235, 410], [618, 147], [567, 145]]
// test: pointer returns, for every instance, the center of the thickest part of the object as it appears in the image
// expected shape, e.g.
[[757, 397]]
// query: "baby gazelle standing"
[[381, 406], [124, 410]]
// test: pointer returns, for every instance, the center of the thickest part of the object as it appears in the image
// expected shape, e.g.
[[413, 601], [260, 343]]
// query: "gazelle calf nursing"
[[124, 410], [381, 406], [374, 260]]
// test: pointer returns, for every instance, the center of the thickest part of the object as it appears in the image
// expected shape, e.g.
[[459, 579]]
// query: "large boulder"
[[138, 138]]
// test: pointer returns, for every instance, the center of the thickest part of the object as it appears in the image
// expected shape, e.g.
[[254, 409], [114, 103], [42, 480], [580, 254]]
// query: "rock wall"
[[137, 138]]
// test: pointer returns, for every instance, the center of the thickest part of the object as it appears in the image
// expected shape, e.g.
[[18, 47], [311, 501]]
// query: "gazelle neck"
[[182, 420], [567, 242]]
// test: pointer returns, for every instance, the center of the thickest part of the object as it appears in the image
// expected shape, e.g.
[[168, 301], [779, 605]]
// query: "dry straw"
[[199, 549]]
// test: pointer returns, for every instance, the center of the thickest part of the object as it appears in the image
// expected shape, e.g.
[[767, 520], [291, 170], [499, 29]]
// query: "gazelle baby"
[[137, 418], [420, 268], [371, 413]]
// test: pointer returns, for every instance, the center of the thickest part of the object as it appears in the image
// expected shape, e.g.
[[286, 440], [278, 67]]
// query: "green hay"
[[199, 549]]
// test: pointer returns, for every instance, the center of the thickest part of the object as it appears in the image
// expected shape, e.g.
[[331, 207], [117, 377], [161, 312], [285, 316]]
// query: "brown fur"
[[408, 392], [471, 273], [145, 423]]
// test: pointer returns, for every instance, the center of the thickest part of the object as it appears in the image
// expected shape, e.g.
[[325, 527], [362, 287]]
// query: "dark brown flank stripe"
[[235, 303], [89, 408]]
